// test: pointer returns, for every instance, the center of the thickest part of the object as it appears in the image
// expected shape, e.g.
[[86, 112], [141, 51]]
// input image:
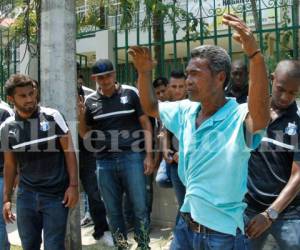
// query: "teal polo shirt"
[[213, 161]]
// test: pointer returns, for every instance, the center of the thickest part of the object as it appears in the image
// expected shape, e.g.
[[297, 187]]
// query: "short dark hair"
[[81, 77], [160, 81], [17, 80], [241, 64], [289, 66], [177, 74], [217, 57]]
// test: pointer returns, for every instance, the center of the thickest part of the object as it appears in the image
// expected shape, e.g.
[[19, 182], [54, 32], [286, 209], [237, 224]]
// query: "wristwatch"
[[272, 213]]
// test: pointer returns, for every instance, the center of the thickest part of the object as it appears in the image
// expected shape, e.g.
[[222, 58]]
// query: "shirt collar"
[[291, 110], [223, 112]]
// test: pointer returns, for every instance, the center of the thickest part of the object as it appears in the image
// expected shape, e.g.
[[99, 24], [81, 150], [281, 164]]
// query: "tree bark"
[[58, 80]]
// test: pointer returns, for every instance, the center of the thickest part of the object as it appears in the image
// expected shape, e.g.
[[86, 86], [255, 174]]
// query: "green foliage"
[[159, 12], [129, 8], [25, 26], [94, 18], [284, 43]]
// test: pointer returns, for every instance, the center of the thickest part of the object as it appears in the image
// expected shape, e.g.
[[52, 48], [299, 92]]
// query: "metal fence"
[[9, 57], [275, 23]]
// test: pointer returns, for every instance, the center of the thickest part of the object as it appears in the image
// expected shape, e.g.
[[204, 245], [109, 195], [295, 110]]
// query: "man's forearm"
[[10, 173], [289, 192], [72, 169], [259, 104], [70, 158], [148, 133], [147, 94]]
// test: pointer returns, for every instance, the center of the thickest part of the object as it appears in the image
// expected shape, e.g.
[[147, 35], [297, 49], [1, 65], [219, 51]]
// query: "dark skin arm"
[[148, 162], [71, 196], [10, 173], [261, 222], [258, 102]]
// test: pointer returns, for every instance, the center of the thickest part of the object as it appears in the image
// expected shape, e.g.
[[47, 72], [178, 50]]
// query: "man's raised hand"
[[141, 58], [243, 33]]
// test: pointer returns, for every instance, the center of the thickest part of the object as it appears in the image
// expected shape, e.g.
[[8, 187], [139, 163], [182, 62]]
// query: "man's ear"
[[93, 78], [10, 100], [272, 76], [221, 77]]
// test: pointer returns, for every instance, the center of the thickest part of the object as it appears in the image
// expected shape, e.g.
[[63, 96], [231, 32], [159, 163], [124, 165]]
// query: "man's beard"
[[26, 110]]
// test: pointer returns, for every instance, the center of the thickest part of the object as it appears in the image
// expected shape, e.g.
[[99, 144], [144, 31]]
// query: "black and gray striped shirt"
[[35, 144]]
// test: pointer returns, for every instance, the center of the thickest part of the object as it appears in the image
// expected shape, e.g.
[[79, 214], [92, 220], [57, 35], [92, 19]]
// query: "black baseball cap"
[[102, 67]]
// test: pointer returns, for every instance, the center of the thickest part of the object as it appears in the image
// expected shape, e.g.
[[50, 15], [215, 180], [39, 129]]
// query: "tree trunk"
[[255, 14], [58, 80], [102, 15], [296, 6], [158, 40]]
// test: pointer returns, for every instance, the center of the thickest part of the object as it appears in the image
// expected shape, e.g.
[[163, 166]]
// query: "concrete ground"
[[160, 238]]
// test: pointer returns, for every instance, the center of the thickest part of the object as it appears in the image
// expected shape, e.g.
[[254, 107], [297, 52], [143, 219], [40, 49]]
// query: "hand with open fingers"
[[8, 215], [141, 58], [148, 165], [258, 225], [71, 197], [243, 33]]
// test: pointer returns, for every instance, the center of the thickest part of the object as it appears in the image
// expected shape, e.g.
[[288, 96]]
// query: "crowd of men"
[[229, 150]]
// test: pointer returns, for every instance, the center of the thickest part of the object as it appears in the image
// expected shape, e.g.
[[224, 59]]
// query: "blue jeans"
[[285, 230], [179, 188], [127, 206], [163, 178], [119, 173], [4, 244], [185, 239], [37, 212]]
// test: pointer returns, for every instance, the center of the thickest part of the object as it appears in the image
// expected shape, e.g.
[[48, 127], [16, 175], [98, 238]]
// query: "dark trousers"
[[119, 173], [179, 188], [89, 182]]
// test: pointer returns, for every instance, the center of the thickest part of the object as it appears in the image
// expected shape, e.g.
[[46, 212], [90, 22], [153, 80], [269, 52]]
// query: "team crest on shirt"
[[124, 99], [12, 132], [44, 125], [291, 129]]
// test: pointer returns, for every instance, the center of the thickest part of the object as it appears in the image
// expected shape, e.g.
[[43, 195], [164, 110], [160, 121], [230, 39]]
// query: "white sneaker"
[[86, 221], [107, 239]]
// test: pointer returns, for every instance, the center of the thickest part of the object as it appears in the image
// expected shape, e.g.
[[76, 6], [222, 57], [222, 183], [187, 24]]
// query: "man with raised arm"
[[215, 136]]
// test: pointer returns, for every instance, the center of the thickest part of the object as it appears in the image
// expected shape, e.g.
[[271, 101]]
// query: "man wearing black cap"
[[122, 137]]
